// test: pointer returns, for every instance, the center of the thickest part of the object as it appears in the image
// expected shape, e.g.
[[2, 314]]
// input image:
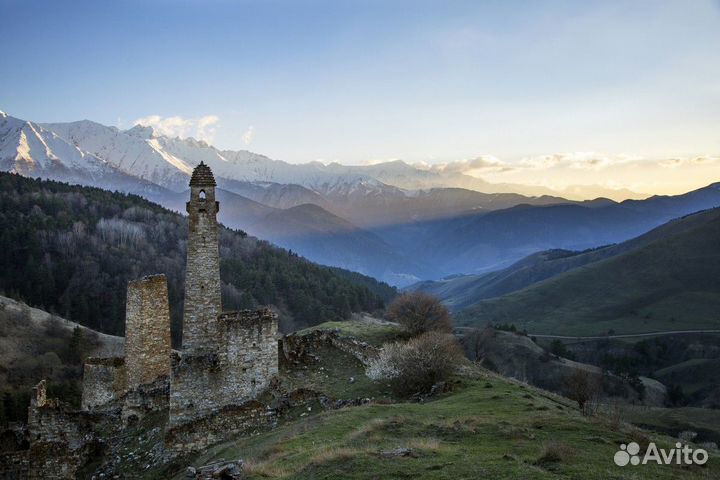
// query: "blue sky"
[[358, 81]]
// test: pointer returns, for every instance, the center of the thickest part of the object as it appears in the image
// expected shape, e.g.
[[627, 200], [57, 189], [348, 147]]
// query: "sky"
[[625, 94]]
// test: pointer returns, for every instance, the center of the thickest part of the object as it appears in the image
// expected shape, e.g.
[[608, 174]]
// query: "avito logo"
[[680, 455]]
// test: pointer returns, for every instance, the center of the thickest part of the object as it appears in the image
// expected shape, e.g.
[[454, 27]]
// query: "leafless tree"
[[583, 388], [419, 312]]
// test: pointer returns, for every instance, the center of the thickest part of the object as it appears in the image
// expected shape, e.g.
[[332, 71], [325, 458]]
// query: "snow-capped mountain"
[[32, 150], [165, 161], [29, 149], [83, 151]]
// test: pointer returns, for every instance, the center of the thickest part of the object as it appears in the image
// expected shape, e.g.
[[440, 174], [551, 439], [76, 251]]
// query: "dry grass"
[[265, 468], [367, 429], [429, 445], [555, 452], [331, 454]]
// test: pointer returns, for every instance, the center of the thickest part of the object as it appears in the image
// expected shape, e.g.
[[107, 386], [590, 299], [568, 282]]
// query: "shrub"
[[581, 387], [419, 312], [413, 367], [557, 347]]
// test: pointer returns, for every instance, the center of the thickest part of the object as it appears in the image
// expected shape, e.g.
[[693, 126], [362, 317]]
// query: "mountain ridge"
[[665, 281]]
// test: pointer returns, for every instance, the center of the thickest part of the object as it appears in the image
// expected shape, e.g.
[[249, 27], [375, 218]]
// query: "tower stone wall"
[[241, 366], [104, 381], [147, 331], [202, 274]]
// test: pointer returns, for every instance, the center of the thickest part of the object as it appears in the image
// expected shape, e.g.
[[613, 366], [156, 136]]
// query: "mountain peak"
[[142, 131]]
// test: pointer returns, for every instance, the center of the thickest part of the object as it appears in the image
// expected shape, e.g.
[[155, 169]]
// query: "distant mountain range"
[[393, 221], [667, 279], [486, 241]]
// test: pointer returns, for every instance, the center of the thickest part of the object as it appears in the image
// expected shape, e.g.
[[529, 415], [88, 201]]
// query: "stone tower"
[[147, 330], [202, 275]]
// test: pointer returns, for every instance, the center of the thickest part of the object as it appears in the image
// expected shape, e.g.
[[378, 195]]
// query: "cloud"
[[202, 128], [690, 161], [578, 160], [248, 136], [483, 163]]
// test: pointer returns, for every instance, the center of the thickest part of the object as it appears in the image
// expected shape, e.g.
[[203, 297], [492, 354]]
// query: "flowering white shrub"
[[416, 365]]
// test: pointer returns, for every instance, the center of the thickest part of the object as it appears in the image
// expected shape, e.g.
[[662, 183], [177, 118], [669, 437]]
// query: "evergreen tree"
[[76, 347]]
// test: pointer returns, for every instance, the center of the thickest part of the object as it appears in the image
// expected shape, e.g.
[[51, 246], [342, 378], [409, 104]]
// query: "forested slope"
[[71, 250]]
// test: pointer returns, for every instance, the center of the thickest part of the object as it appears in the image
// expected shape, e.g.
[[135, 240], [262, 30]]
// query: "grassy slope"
[[693, 375], [487, 427], [671, 283], [703, 421], [466, 290]]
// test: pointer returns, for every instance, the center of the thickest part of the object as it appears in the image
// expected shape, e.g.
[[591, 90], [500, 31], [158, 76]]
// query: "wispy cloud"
[[201, 128], [580, 170], [691, 161], [578, 160], [248, 136], [477, 165]]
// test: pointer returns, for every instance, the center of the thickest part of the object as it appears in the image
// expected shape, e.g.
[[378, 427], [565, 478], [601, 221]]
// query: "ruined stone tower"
[[147, 330], [226, 358], [202, 275]]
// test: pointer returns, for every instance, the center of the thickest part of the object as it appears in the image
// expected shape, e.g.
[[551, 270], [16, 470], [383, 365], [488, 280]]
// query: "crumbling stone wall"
[[151, 397], [104, 381], [14, 465], [147, 331], [244, 360], [227, 422], [232, 421], [202, 274], [61, 439], [298, 348]]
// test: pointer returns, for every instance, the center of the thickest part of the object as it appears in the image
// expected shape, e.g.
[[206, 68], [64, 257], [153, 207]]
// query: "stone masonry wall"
[[61, 439], [202, 276], [147, 331], [104, 381], [299, 348], [241, 366], [151, 397], [223, 424]]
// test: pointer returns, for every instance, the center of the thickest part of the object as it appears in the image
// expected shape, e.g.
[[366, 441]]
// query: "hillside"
[[462, 291], [485, 426], [670, 283], [318, 234], [36, 345], [71, 250], [480, 242]]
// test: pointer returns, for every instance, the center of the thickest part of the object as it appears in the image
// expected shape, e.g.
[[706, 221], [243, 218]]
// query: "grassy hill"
[[487, 426], [36, 345], [671, 282], [316, 233], [462, 291]]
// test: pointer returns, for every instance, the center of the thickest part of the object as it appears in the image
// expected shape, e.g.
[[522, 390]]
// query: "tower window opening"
[[202, 195]]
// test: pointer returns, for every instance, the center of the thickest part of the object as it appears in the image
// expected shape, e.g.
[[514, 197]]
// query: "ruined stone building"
[[227, 358], [207, 388]]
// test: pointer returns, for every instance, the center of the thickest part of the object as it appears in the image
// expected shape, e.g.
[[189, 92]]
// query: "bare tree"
[[419, 312], [583, 388]]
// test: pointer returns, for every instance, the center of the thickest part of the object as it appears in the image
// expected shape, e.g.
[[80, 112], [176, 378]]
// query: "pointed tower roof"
[[202, 176]]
